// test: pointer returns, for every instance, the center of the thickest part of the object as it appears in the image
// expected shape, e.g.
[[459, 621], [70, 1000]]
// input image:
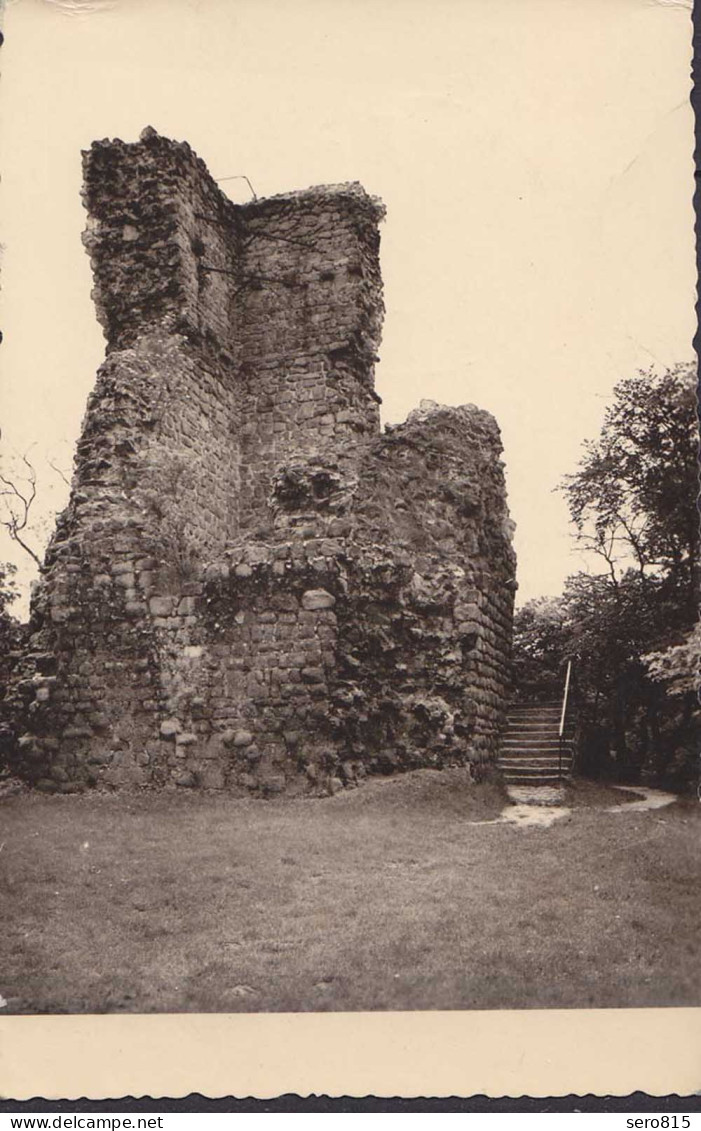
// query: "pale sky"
[[535, 158]]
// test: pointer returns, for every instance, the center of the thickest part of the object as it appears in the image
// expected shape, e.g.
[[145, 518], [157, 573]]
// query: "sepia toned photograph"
[[348, 529]]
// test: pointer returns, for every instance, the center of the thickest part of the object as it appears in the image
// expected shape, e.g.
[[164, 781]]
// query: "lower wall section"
[[271, 674], [366, 630]]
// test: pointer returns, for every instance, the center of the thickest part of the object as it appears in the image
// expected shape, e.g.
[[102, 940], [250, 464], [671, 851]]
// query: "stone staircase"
[[529, 757]]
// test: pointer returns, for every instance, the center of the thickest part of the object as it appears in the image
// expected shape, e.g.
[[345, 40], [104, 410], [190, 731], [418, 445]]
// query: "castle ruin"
[[252, 587]]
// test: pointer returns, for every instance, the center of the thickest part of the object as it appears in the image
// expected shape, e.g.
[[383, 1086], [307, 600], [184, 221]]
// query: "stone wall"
[[252, 587]]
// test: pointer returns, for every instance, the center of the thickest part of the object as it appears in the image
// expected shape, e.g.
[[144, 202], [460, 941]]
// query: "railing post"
[[563, 715]]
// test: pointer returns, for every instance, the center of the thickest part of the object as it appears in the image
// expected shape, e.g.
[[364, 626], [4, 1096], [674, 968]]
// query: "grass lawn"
[[384, 897]]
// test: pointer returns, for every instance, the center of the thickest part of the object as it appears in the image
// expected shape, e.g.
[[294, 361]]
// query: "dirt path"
[[651, 799], [542, 807]]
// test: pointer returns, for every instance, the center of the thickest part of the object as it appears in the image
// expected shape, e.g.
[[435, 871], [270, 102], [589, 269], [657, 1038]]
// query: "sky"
[[535, 158]]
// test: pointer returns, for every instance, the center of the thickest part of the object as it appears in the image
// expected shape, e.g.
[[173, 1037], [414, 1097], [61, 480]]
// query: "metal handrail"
[[563, 715], [565, 697]]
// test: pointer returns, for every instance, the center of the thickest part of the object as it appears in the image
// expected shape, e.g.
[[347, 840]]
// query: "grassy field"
[[392, 896]]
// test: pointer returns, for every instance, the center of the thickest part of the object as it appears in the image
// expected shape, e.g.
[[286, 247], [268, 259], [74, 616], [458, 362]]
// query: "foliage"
[[542, 643], [633, 496], [8, 588], [633, 503], [678, 667], [10, 640], [156, 485]]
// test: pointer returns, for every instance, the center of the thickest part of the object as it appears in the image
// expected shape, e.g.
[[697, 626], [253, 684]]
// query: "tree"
[[633, 504], [678, 667], [8, 588], [24, 515], [541, 645], [18, 493], [10, 641], [633, 497]]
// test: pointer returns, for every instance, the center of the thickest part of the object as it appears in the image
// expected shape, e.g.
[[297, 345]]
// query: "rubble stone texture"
[[252, 587]]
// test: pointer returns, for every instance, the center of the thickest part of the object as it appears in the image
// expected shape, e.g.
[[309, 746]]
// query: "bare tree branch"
[[18, 504], [60, 472]]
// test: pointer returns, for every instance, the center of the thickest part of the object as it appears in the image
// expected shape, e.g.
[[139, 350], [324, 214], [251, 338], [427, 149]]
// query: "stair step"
[[534, 752], [547, 708], [538, 760], [549, 703], [534, 710], [529, 740], [534, 774], [552, 752], [533, 771], [551, 775], [528, 724], [549, 734], [538, 720], [535, 724], [535, 732], [533, 755], [516, 779]]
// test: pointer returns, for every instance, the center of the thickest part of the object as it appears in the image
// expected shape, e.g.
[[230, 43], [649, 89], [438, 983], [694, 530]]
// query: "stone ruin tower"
[[253, 588]]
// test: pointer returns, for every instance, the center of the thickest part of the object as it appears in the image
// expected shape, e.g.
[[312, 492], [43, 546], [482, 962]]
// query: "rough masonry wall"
[[252, 588], [309, 320]]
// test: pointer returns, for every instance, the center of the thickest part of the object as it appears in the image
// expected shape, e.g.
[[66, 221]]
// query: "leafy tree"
[[678, 667], [541, 645], [10, 641], [677, 670], [633, 496], [8, 588], [633, 504]]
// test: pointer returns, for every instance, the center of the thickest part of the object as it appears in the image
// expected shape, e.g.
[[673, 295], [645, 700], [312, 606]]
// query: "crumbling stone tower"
[[252, 588]]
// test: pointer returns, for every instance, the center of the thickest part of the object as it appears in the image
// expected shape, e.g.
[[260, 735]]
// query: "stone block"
[[275, 783], [187, 606], [161, 606], [185, 739], [135, 608], [77, 732], [100, 757], [46, 785], [313, 675], [170, 728], [317, 599]]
